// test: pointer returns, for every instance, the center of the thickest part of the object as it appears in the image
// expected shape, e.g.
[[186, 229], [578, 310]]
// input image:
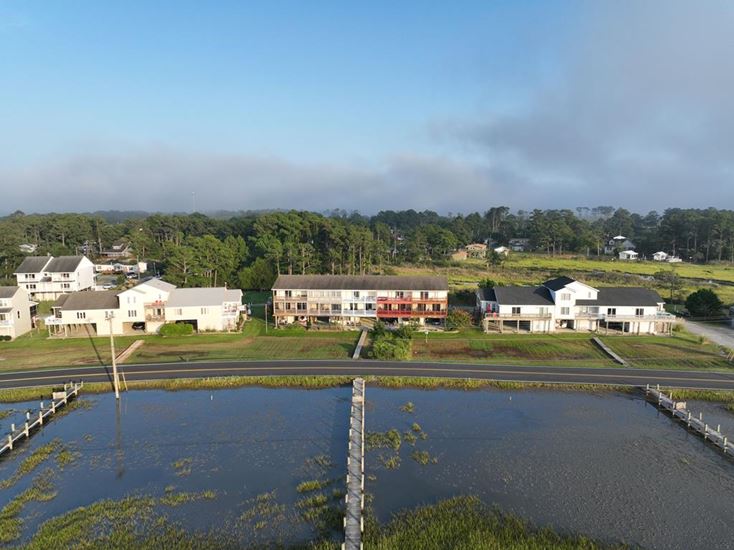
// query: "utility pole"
[[115, 380]]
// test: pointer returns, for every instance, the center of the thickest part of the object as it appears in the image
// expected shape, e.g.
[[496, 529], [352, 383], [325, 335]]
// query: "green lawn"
[[252, 343], [682, 351]]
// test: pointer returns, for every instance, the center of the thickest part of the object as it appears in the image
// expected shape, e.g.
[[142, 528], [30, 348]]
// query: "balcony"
[[407, 299], [517, 316], [414, 313], [660, 316], [53, 321]]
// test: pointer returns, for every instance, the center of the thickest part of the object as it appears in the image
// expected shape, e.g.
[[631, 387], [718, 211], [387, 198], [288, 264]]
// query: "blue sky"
[[252, 103]]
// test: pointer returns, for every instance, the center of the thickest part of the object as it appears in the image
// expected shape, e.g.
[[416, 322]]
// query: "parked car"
[[138, 326]]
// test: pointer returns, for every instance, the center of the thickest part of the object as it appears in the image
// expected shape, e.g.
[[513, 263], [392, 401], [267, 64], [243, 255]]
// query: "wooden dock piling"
[[60, 399], [678, 410]]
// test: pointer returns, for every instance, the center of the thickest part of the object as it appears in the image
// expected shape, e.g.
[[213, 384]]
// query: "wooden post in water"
[[10, 442]]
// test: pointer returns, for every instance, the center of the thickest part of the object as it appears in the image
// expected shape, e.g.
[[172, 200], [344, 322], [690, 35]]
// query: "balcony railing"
[[51, 320], [410, 313], [519, 315], [411, 300], [654, 317]]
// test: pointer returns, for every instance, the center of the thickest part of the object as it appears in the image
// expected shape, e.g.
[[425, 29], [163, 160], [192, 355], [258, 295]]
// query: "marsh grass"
[[381, 440], [41, 490], [466, 523], [182, 466], [31, 462], [173, 499], [312, 485]]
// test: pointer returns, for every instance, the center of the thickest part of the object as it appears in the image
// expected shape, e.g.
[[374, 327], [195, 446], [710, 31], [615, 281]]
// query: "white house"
[[208, 309], [564, 303], [620, 242], [47, 278], [628, 255], [502, 250], [145, 308], [15, 312], [660, 256]]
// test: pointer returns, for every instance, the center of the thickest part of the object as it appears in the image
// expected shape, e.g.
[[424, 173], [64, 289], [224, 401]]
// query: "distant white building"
[[519, 244], [628, 255], [15, 312], [47, 278], [145, 308], [660, 256], [502, 250], [28, 248], [620, 242]]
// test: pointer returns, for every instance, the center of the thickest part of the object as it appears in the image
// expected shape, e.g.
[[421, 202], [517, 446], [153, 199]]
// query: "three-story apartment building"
[[15, 312], [346, 300], [47, 278]]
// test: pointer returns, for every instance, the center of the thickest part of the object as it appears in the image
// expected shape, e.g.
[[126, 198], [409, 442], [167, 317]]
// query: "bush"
[[704, 303], [177, 329], [5, 338], [389, 347], [457, 318]]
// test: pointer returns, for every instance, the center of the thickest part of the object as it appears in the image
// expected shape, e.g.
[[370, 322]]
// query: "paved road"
[[561, 375], [719, 333]]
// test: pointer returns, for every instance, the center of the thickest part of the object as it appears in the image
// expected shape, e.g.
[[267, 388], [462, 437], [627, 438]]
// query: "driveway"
[[719, 333]]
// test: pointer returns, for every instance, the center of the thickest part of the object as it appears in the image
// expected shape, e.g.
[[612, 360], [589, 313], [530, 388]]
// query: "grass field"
[[680, 351], [253, 343], [533, 269]]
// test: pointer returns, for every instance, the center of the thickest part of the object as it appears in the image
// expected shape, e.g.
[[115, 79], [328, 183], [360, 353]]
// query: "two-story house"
[[564, 303], [47, 278], [347, 300], [145, 308], [15, 312]]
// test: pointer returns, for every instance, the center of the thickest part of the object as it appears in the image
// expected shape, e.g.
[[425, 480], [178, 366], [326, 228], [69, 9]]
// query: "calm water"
[[609, 466]]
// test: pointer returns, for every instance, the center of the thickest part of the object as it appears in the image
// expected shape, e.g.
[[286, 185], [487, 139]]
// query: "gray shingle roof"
[[64, 264], [360, 282], [558, 283], [88, 299], [624, 296], [487, 294], [523, 295], [8, 291], [33, 264]]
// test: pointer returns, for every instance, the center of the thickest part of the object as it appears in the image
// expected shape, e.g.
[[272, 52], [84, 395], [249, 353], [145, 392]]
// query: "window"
[[301, 306], [204, 311], [336, 308], [424, 295], [640, 311], [31, 287], [543, 310], [369, 307], [65, 285], [516, 310], [565, 311], [565, 296], [400, 294], [81, 315], [132, 313], [611, 311], [19, 315], [64, 275], [178, 311], [356, 293], [288, 293]]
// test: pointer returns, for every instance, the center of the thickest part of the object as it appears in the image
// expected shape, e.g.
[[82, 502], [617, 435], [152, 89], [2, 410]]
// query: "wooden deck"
[[353, 522]]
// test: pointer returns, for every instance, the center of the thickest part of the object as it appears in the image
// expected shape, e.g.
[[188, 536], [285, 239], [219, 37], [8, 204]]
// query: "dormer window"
[[565, 296]]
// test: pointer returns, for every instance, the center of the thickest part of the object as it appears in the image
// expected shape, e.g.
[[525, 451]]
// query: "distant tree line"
[[250, 249]]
